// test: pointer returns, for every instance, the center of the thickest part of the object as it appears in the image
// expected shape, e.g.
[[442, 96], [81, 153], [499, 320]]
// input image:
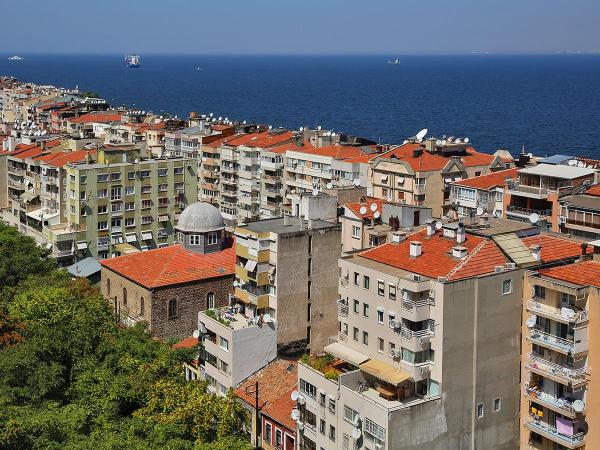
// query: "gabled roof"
[[63, 158], [594, 190], [276, 382], [96, 117], [341, 152], [172, 265], [188, 342], [432, 161], [554, 248], [583, 273], [490, 181], [355, 207]]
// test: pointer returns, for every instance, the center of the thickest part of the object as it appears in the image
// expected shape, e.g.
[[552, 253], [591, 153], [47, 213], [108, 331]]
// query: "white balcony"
[[562, 374], [557, 314], [561, 405], [574, 345], [550, 432]]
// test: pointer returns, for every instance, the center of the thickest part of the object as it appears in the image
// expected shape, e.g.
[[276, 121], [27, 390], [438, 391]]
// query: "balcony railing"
[[550, 340], [555, 313], [549, 431], [562, 406], [409, 334], [528, 211], [343, 310], [409, 304], [547, 368], [583, 223]]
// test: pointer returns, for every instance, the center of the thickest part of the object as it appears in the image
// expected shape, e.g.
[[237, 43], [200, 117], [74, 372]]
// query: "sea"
[[545, 104]]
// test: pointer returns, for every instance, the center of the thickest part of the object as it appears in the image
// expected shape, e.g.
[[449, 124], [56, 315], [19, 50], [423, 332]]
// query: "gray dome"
[[200, 217]]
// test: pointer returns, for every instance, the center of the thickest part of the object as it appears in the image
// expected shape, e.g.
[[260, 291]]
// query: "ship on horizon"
[[16, 58], [132, 61], [394, 61]]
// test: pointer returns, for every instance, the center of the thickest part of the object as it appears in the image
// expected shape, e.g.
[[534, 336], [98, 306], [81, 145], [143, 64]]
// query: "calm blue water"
[[549, 104]]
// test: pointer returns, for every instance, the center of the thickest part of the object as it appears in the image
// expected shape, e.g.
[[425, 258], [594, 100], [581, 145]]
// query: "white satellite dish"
[[295, 414], [444, 142], [567, 313], [319, 128], [405, 142], [438, 142], [244, 122], [332, 133], [572, 162], [270, 127], [236, 284], [196, 334], [356, 433], [438, 225], [530, 154], [329, 185], [363, 210], [458, 141], [356, 421], [377, 214], [301, 400], [466, 140], [578, 406], [421, 134], [267, 318], [294, 396], [315, 192], [531, 321], [301, 128], [580, 164], [356, 182], [479, 211], [373, 207], [534, 217]]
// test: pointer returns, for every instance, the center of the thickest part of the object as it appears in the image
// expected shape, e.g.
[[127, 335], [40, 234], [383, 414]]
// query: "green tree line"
[[70, 378]]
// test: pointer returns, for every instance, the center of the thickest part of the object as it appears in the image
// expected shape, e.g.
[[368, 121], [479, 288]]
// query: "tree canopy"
[[70, 378]]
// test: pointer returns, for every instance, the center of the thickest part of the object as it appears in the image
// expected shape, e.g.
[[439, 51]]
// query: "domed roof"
[[200, 217]]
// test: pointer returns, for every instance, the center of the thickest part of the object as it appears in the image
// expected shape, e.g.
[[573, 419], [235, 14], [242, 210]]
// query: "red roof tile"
[[64, 158], [492, 180], [594, 190], [554, 248], [584, 273], [188, 342], [276, 382], [172, 265], [430, 162], [342, 152], [355, 207], [99, 117]]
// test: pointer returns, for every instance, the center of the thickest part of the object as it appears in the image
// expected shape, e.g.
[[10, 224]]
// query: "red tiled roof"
[[584, 273], [290, 146], [554, 248], [62, 158], [355, 207], [489, 181], [436, 256], [430, 162], [172, 265], [594, 190], [100, 117], [276, 382], [268, 139], [342, 152], [188, 342]]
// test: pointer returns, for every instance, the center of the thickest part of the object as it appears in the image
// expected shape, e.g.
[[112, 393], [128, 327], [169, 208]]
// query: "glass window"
[[172, 309], [210, 300], [142, 306], [380, 288], [366, 282], [380, 345], [355, 334], [268, 432], [497, 404], [380, 316], [365, 339], [392, 350], [332, 433], [355, 232], [480, 410], [392, 291], [308, 389], [212, 238], [366, 309], [506, 287], [194, 239], [356, 306], [322, 426], [356, 278], [223, 343]]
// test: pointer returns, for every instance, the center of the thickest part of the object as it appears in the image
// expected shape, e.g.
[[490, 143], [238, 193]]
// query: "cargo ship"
[[132, 61]]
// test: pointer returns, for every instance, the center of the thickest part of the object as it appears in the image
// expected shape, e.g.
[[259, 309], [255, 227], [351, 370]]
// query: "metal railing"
[[343, 310], [520, 210], [546, 310], [563, 406], [409, 304], [409, 334], [552, 433], [545, 367], [550, 340]]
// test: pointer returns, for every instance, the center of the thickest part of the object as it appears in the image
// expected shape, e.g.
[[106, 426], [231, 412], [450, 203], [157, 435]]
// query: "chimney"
[[43, 145], [459, 251], [286, 220], [583, 251], [415, 249], [430, 145], [460, 233], [536, 252], [398, 237], [430, 227], [596, 255]]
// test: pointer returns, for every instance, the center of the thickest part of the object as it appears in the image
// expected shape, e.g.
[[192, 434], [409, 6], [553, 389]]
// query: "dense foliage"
[[71, 379]]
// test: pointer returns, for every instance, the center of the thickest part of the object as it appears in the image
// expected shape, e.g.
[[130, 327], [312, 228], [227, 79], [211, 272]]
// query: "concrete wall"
[[592, 413]]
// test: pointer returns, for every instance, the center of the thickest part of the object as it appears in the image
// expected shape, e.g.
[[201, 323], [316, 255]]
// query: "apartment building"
[[484, 193], [187, 142], [535, 193], [421, 359], [121, 202], [580, 214], [422, 173], [559, 400], [86, 125]]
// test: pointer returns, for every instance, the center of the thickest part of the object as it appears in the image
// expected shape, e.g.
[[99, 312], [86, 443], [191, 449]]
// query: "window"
[[163, 202], [374, 433], [103, 225], [480, 410], [506, 287], [356, 278], [332, 433], [163, 187], [497, 404], [194, 239], [129, 206], [172, 309], [332, 405], [268, 432], [391, 320], [366, 309], [416, 358], [212, 238], [162, 172], [355, 334], [130, 222], [131, 175], [366, 282], [178, 170], [539, 291], [356, 306], [322, 426], [345, 442], [349, 414], [355, 232], [129, 190], [102, 193], [102, 209], [115, 193], [380, 288], [380, 316], [210, 300], [223, 366], [108, 287], [73, 210], [142, 306], [115, 176], [278, 439], [102, 177], [146, 204], [392, 350], [144, 173], [125, 296], [380, 345], [322, 398], [365, 338], [146, 220], [223, 343], [308, 389], [146, 189]]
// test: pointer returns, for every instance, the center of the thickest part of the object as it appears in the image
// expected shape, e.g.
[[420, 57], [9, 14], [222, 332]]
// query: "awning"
[[251, 265], [347, 354], [125, 249], [384, 372], [146, 235], [164, 218], [28, 196], [82, 245], [131, 237]]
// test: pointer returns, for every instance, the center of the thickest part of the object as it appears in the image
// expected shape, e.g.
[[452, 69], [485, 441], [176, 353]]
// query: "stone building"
[[167, 287]]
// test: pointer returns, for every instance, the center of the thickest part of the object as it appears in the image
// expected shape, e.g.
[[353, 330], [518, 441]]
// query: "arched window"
[[172, 313], [125, 296], [210, 300], [142, 306], [108, 287]]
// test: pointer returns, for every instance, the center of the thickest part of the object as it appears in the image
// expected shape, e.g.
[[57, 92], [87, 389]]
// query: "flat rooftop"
[[499, 226], [558, 171], [295, 224]]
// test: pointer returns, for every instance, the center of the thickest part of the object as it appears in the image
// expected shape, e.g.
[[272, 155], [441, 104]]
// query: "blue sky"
[[308, 26]]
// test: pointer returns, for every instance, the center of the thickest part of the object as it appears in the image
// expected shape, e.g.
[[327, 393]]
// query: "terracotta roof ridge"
[[467, 258], [158, 277]]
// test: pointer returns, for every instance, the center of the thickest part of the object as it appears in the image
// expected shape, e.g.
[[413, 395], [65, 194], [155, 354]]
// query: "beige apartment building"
[[580, 213], [422, 173], [421, 359], [559, 400]]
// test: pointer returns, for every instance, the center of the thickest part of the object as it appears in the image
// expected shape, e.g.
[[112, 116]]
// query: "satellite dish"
[[580, 164], [444, 142], [438, 142], [421, 134], [301, 129], [295, 414], [267, 318], [534, 217], [332, 133], [530, 154], [479, 211], [578, 406], [319, 128], [300, 426], [356, 433], [458, 141], [329, 185], [438, 225], [373, 207], [531, 321], [196, 334], [363, 210], [567, 313], [315, 192], [244, 122], [405, 142], [377, 214], [572, 162], [270, 127], [356, 421], [301, 400], [294, 396], [210, 115], [466, 140], [356, 182], [236, 284]]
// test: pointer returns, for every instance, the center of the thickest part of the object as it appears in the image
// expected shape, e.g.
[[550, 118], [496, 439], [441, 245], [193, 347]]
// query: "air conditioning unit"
[[424, 370], [499, 269], [396, 323], [562, 219], [511, 266], [424, 340], [396, 353], [341, 302]]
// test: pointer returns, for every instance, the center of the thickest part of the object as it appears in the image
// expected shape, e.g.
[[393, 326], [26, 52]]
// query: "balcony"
[[556, 372], [416, 310], [526, 212], [550, 312], [550, 432], [561, 405], [552, 341], [415, 340], [342, 309], [516, 188]]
